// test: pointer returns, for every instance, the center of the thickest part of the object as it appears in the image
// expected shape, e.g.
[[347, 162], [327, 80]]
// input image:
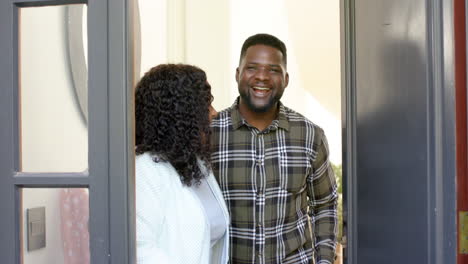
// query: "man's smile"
[[260, 91]]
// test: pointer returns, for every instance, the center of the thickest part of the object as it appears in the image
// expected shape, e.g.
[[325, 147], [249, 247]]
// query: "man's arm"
[[323, 197]]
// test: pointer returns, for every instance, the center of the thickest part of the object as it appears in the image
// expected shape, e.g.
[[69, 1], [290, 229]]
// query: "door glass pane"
[[54, 224], [53, 89]]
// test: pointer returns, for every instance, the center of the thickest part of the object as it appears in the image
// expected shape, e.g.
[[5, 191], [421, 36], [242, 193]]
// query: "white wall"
[[153, 26], [314, 34], [208, 45], [206, 42]]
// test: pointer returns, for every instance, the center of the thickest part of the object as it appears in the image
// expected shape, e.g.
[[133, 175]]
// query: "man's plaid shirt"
[[273, 181]]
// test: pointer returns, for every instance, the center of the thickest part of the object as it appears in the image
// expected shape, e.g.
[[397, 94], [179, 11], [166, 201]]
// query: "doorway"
[[185, 32]]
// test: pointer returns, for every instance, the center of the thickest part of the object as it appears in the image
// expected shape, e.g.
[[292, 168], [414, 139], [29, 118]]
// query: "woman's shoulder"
[[150, 169]]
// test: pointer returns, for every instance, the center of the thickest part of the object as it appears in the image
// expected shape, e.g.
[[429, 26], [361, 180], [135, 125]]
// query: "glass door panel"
[[53, 89], [54, 225]]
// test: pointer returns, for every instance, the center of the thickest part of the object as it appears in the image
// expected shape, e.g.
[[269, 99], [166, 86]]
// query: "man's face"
[[261, 78]]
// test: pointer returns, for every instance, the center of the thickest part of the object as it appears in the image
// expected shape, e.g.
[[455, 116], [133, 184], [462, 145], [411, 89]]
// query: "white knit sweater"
[[171, 224]]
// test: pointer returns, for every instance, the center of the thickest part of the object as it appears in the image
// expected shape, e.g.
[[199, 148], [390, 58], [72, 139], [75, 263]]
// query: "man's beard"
[[260, 109]]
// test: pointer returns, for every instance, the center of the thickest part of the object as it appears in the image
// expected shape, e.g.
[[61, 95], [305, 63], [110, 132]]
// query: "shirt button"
[[259, 225]]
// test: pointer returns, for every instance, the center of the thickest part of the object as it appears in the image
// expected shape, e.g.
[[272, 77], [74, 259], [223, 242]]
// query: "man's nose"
[[262, 74]]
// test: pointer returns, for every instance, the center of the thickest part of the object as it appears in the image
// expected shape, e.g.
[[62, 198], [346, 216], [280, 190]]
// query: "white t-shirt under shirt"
[[212, 210]]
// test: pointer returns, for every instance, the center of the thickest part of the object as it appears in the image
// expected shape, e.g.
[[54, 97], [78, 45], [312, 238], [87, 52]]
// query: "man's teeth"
[[262, 88]]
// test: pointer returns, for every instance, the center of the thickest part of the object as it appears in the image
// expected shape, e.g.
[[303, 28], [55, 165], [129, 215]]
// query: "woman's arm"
[[149, 215]]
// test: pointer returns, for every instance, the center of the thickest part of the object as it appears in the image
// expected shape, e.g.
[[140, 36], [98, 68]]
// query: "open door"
[[66, 132]]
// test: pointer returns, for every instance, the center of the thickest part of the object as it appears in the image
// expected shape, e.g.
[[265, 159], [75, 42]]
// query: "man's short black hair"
[[264, 39]]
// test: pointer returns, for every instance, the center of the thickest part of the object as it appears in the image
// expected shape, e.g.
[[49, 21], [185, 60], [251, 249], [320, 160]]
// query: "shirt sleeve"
[[149, 217], [323, 197]]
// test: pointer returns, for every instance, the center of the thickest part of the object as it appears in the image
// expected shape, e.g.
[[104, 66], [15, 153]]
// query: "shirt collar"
[[238, 120]]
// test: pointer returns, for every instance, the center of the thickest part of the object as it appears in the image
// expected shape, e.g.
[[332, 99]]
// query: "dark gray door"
[[400, 132], [66, 131]]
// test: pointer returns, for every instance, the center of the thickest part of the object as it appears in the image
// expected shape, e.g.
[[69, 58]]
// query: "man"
[[272, 166]]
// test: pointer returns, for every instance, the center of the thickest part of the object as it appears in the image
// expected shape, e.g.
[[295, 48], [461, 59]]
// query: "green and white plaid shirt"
[[273, 182]]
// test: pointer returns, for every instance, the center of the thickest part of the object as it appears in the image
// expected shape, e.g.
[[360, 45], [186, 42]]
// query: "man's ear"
[[286, 80], [237, 74]]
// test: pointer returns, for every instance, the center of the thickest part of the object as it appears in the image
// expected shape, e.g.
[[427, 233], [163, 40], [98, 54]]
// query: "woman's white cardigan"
[[171, 223]]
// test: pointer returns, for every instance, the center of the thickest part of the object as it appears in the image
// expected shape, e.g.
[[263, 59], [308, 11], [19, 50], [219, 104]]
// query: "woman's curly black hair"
[[172, 118]]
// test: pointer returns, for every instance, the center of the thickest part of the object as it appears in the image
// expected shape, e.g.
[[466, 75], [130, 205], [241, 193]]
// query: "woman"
[[181, 214]]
